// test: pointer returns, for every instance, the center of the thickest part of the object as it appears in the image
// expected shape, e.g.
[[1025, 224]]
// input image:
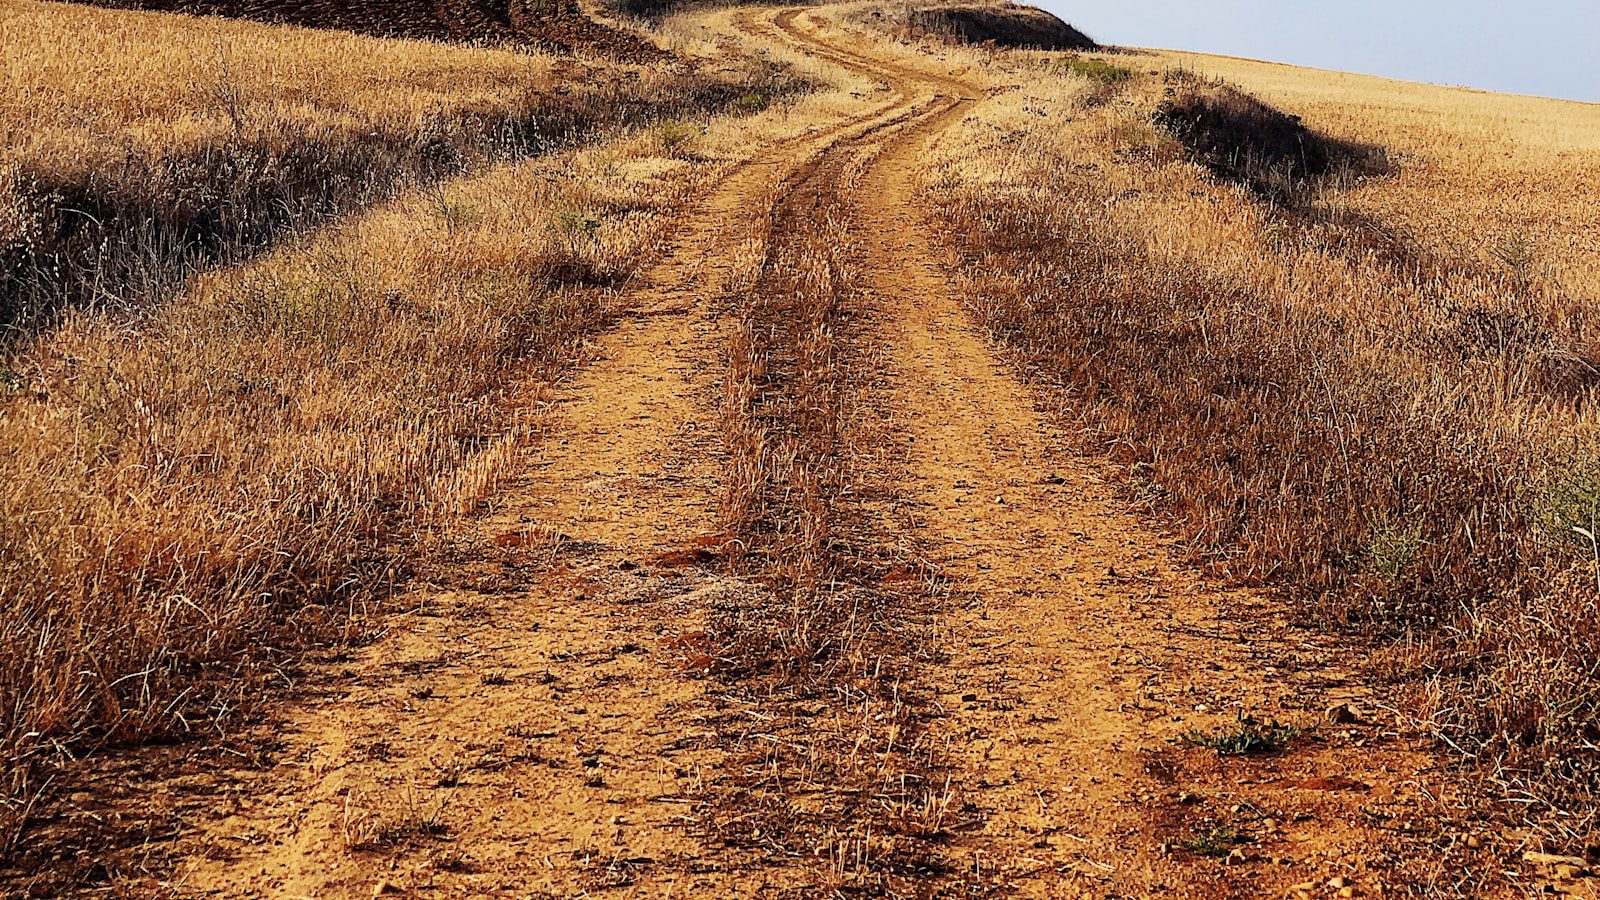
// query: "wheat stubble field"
[[453, 450]]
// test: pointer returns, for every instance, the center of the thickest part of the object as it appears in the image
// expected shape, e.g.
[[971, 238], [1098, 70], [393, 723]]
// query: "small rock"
[[1269, 824], [1307, 886], [1333, 783], [1473, 842], [1534, 857], [1570, 872], [1338, 883], [1346, 892], [385, 887], [1236, 858], [1343, 714]]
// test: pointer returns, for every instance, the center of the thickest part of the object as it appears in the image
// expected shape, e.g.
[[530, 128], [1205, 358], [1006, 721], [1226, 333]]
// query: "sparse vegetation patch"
[[1247, 737], [1215, 841], [1098, 70]]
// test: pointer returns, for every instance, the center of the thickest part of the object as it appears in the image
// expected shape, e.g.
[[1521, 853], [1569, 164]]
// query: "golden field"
[[137, 147], [889, 454]]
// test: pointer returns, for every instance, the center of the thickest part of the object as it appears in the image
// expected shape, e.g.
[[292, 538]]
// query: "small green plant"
[[576, 227], [751, 102], [1247, 737], [1098, 70], [1567, 508], [678, 137], [1214, 841], [1392, 547]]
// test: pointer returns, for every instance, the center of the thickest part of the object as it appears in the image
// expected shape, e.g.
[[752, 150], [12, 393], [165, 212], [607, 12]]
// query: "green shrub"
[[1392, 547], [1215, 842], [678, 137], [1098, 70], [1246, 738]]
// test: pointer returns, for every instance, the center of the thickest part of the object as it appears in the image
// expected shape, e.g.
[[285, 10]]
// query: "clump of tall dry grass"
[[138, 147], [825, 629], [1323, 398]]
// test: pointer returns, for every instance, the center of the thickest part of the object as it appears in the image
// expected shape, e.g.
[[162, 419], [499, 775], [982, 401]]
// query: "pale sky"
[[1549, 48]]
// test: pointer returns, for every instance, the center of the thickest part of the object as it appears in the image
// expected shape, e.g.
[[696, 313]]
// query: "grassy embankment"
[[137, 147]]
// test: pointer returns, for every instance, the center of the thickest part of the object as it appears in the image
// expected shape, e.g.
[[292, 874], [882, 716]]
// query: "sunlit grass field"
[[1376, 392]]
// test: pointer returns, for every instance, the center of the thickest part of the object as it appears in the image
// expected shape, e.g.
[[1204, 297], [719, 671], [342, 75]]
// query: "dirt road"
[[802, 590]]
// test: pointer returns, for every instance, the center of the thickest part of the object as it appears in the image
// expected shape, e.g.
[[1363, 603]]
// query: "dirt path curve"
[[1084, 661], [543, 722]]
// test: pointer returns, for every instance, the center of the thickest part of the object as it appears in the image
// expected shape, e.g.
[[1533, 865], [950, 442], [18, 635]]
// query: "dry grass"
[[559, 26], [136, 147], [783, 398], [819, 717], [195, 489], [1381, 396], [825, 633]]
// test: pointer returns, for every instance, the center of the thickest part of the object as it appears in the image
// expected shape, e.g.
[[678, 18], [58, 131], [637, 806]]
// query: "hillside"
[[997, 24], [553, 25], [834, 451]]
